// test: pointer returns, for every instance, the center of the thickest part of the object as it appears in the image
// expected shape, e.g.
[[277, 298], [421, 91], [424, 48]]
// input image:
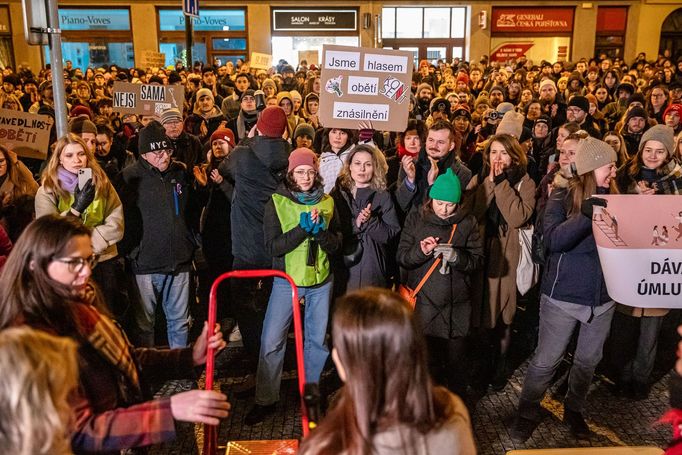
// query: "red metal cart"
[[210, 431]]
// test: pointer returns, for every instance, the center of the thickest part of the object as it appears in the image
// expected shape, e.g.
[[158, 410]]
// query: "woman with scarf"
[[369, 221], [46, 285], [503, 203], [301, 233], [636, 330], [97, 205]]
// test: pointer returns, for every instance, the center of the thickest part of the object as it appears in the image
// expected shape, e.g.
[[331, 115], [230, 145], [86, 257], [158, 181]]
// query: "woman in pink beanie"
[[301, 232]]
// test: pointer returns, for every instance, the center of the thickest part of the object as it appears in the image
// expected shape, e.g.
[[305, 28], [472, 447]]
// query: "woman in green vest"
[[301, 232], [96, 204]]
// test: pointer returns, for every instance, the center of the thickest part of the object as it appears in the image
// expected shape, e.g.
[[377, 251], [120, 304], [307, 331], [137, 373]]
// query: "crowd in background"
[[245, 175]]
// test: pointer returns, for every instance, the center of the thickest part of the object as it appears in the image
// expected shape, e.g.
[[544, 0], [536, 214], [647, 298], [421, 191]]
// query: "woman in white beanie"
[[573, 292]]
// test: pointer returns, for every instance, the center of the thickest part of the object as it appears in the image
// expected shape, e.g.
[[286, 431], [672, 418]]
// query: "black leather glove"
[[587, 207], [83, 197]]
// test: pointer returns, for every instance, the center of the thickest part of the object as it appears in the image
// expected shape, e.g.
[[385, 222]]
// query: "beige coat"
[[516, 205], [106, 235]]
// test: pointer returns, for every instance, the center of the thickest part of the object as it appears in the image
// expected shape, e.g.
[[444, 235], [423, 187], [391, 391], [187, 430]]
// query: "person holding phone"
[[441, 228], [74, 184]]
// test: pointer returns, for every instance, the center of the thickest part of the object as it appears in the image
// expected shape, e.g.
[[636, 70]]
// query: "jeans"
[[278, 318], [556, 328], [172, 291]]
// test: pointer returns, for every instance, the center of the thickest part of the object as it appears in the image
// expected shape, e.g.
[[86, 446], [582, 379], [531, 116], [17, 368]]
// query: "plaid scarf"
[[107, 338]]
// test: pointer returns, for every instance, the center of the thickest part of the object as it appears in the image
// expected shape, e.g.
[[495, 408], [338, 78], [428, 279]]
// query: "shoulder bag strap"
[[434, 265]]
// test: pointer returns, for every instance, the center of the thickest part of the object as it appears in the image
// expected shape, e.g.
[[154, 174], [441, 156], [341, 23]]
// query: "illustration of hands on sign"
[[333, 86]]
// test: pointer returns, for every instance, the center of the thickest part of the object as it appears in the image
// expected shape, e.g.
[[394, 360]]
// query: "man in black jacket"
[[578, 111], [157, 239], [187, 147], [256, 166]]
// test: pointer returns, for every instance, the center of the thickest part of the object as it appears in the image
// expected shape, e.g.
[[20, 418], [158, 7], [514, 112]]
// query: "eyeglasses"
[[303, 173], [160, 153], [75, 265]]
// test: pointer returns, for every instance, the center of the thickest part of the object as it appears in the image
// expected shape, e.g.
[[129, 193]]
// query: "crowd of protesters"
[[245, 175]]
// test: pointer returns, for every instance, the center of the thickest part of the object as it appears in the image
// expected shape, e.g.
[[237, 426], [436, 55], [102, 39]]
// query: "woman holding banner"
[[635, 330], [573, 292]]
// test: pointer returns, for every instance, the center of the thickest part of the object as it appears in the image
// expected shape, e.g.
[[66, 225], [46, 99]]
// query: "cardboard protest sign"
[[147, 99], [260, 61], [365, 85], [28, 135], [639, 239], [153, 59]]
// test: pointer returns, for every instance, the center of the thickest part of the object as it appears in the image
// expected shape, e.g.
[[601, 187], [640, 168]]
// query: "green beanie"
[[447, 188]]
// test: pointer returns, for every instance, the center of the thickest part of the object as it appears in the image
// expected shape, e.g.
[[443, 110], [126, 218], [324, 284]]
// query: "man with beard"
[[231, 104], [635, 124], [187, 147], [496, 96], [289, 82], [440, 153], [614, 111], [578, 111], [209, 81], [424, 96], [552, 104], [247, 117], [111, 157]]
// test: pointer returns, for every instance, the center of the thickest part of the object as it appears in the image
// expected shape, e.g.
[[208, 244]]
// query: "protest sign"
[[260, 61], [28, 135], [147, 99], [365, 85], [639, 239], [152, 59]]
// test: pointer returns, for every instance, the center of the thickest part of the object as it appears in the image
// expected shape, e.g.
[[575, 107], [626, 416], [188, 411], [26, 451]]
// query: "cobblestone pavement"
[[614, 421]]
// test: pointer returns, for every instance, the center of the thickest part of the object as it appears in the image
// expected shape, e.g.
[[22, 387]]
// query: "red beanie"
[[272, 121], [302, 156], [79, 110], [225, 134], [463, 78], [673, 107]]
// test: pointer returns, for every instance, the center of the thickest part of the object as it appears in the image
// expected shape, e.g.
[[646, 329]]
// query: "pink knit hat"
[[301, 157]]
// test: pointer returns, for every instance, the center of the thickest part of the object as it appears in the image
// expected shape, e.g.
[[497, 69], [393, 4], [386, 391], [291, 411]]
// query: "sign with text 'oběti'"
[[190, 8], [365, 85]]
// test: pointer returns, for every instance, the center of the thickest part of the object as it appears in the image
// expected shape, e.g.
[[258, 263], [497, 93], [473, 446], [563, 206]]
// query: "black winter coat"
[[256, 167], [376, 264], [159, 217], [188, 150], [444, 303]]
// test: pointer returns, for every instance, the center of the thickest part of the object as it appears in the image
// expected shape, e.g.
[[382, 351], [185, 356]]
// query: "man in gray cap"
[[83, 127], [187, 147]]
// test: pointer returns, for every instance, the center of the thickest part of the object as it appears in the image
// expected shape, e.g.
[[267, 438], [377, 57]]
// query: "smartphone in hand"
[[84, 174]]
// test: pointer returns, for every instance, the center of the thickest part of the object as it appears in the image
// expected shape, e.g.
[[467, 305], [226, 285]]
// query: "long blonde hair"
[[50, 179], [38, 373], [379, 166]]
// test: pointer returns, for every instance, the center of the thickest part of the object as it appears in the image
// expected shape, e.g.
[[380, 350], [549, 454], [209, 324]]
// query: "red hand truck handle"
[[210, 433]]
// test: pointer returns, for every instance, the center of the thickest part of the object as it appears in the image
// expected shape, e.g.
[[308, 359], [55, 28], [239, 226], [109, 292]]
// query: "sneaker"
[[258, 413], [576, 424], [235, 335], [522, 429]]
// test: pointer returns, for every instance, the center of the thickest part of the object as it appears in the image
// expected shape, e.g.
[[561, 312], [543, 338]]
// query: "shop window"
[[223, 44], [288, 47], [171, 20], [94, 54], [176, 52]]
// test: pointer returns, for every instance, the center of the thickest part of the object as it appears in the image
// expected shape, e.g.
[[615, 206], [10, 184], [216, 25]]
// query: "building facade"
[[127, 32]]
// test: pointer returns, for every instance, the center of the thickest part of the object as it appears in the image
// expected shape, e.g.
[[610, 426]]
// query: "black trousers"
[[448, 363], [114, 284], [250, 300]]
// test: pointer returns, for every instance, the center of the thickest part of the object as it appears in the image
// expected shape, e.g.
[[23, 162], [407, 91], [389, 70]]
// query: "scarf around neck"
[[68, 180], [311, 197]]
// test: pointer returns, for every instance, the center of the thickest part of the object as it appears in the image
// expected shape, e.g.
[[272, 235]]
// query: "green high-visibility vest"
[[295, 262]]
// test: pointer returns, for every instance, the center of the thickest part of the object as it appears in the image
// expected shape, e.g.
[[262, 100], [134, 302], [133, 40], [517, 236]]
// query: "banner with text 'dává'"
[[639, 239], [365, 85]]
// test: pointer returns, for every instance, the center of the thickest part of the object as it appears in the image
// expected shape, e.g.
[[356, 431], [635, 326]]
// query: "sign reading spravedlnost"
[[25, 134], [365, 85], [147, 99]]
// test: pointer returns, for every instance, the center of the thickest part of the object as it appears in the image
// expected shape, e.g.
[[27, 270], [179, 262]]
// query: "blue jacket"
[[573, 273]]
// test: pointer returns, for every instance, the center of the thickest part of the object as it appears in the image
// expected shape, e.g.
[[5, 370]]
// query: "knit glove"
[[366, 135], [319, 226], [306, 222], [587, 206], [83, 197]]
